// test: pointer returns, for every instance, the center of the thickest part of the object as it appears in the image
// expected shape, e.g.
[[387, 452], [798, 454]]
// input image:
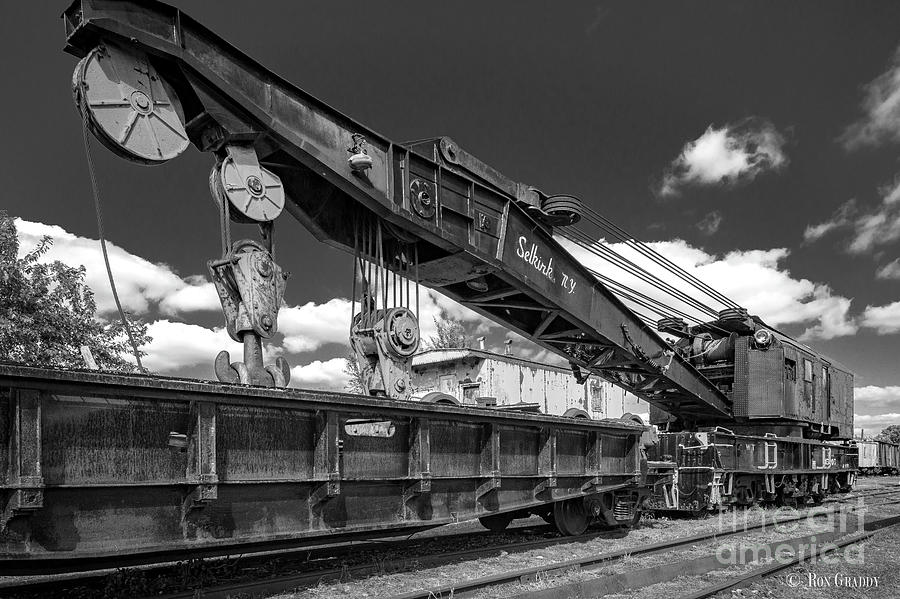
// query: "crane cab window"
[[790, 370], [808, 370]]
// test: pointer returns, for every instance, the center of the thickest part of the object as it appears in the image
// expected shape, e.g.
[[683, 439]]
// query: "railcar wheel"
[[570, 516], [576, 413], [743, 495], [638, 513], [496, 522], [783, 500], [834, 487]]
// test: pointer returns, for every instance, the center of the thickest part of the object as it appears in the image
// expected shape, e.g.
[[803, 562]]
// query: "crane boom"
[[482, 239]]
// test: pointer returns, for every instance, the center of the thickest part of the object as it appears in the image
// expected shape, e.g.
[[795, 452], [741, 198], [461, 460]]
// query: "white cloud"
[[140, 283], [710, 223], [876, 408], [727, 155], [880, 121], [874, 399], [841, 218], [881, 226], [868, 230], [755, 279], [310, 326], [328, 375], [891, 270], [522, 347], [884, 319], [873, 424], [198, 295], [177, 345]]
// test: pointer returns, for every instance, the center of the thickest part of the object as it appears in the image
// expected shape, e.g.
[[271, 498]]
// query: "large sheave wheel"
[[128, 106]]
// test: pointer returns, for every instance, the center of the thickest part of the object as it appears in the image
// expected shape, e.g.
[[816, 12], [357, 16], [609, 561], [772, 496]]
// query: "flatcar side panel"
[[98, 465]]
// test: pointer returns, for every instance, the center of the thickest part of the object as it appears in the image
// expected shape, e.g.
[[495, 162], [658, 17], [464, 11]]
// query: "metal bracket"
[[416, 490], [324, 492], [326, 461], [490, 460], [201, 462], [25, 489], [201, 495], [546, 486], [492, 484]]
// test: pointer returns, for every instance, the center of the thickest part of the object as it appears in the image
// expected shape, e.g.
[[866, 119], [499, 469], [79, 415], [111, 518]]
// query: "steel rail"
[[748, 578], [698, 566], [314, 554], [462, 588], [280, 584], [326, 555]]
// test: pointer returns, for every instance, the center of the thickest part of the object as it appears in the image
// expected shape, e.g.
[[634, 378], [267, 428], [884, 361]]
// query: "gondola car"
[[878, 457]]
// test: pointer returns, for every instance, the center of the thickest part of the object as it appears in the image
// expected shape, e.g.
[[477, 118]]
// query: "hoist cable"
[[604, 252], [630, 294], [96, 192], [657, 257]]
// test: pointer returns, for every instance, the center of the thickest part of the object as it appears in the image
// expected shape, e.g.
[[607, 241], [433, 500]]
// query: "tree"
[[47, 312], [891, 434], [451, 334], [355, 381]]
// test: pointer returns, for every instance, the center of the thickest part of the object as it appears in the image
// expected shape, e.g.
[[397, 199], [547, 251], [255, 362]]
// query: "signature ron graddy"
[[530, 256]]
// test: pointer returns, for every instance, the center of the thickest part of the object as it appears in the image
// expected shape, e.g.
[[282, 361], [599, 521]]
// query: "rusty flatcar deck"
[[95, 465]]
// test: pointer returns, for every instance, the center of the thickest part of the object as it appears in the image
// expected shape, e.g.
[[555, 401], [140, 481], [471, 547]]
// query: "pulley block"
[[128, 106], [255, 192], [402, 332], [561, 210]]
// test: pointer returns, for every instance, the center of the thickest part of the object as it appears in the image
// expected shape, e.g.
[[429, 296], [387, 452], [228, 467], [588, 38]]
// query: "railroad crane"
[[151, 81]]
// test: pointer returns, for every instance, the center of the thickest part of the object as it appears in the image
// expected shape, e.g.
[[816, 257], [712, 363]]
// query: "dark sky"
[[592, 99]]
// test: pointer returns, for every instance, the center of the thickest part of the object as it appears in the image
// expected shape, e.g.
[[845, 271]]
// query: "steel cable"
[[96, 192], [623, 235], [604, 252]]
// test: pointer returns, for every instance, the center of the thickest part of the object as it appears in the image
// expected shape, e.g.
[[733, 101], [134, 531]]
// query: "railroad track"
[[749, 578], [459, 589], [803, 548], [328, 563]]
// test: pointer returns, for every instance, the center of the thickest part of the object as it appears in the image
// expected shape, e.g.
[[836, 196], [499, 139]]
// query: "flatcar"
[[97, 466]]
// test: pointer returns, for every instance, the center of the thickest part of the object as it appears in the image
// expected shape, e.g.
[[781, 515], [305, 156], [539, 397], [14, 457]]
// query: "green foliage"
[[890, 434], [451, 334], [47, 312], [355, 381]]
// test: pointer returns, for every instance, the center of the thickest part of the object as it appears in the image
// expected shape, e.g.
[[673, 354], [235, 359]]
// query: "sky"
[[754, 143]]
